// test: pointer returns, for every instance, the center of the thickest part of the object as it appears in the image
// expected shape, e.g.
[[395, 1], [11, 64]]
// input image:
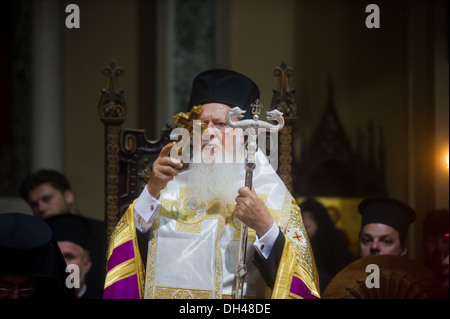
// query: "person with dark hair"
[[193, 217], [32, 266], [49, 194], [384, 227], [330, 251]]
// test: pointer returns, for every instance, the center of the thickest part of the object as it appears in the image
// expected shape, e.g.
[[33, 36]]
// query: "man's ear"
[[87, 262], [69, 197], [404, 250]]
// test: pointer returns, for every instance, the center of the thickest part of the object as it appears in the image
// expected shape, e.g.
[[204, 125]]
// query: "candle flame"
[[447, 160]]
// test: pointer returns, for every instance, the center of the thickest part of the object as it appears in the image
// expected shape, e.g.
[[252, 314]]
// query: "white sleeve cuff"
[[147, 206], [264, 244]]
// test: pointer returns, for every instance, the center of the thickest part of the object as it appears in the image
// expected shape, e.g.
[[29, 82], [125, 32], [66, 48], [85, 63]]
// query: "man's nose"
[[210, 132], [15, 294], [375, 248], [41, 206]]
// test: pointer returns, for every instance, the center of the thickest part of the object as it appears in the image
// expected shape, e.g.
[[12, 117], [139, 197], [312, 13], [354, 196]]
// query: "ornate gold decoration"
[[146, 170], [284, 95], [296, 232], [112, 111], [284, 101], [112, 104], [129, 144], [178, 293], [186, 120]]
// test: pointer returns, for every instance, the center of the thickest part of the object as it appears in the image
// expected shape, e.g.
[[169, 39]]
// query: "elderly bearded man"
[[193, 217]]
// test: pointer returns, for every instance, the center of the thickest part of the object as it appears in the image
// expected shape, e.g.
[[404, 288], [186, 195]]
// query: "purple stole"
[[125, 276]]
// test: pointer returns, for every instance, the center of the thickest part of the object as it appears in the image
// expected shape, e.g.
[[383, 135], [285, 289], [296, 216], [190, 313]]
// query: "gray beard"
[[215, 181]]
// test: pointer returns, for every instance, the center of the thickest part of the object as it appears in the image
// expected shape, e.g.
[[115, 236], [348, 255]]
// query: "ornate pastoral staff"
[[251, 127]]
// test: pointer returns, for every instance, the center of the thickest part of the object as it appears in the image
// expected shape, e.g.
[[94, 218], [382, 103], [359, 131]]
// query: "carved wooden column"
[[112, 111], [284, 101]]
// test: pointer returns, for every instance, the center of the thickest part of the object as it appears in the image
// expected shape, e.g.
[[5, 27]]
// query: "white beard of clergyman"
[[213, 178]]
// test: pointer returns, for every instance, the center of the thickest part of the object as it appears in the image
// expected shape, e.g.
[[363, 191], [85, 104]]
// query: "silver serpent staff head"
[[273, 115], [252, 126]]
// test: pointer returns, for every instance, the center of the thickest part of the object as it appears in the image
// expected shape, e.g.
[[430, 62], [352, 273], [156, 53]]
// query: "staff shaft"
[[241, 270]]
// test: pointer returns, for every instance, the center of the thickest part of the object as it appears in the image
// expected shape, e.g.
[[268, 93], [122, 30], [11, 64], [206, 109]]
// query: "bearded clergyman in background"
[[192, 217]]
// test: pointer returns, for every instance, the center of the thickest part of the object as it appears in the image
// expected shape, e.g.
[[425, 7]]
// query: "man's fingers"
[[246, 198], [165, 151], [165, 158], [164, 169], [243, 201], [164, 177], [168, 161], [245, 191], [167, 170]]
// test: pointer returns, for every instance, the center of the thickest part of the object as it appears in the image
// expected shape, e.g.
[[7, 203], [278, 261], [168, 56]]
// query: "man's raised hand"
[[164, 170]]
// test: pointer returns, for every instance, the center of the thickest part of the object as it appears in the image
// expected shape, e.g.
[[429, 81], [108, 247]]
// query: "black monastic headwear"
[[27, 247], [225, 87], [387, 211], [70, 227]]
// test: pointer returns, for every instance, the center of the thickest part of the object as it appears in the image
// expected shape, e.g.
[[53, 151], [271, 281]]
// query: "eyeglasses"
[[23, 293]]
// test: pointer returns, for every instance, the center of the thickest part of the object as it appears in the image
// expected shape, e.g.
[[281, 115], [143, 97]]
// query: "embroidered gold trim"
[[120, 235], [188, 228], [151, 255], [218, 271], [180, 293], [286, 210], [295, 226], [121, 271]]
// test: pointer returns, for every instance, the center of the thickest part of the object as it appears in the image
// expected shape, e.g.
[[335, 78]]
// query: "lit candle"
[[447, 160]]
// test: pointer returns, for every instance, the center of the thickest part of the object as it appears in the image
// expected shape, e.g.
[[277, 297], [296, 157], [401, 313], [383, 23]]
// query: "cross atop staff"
[[256, 109]]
